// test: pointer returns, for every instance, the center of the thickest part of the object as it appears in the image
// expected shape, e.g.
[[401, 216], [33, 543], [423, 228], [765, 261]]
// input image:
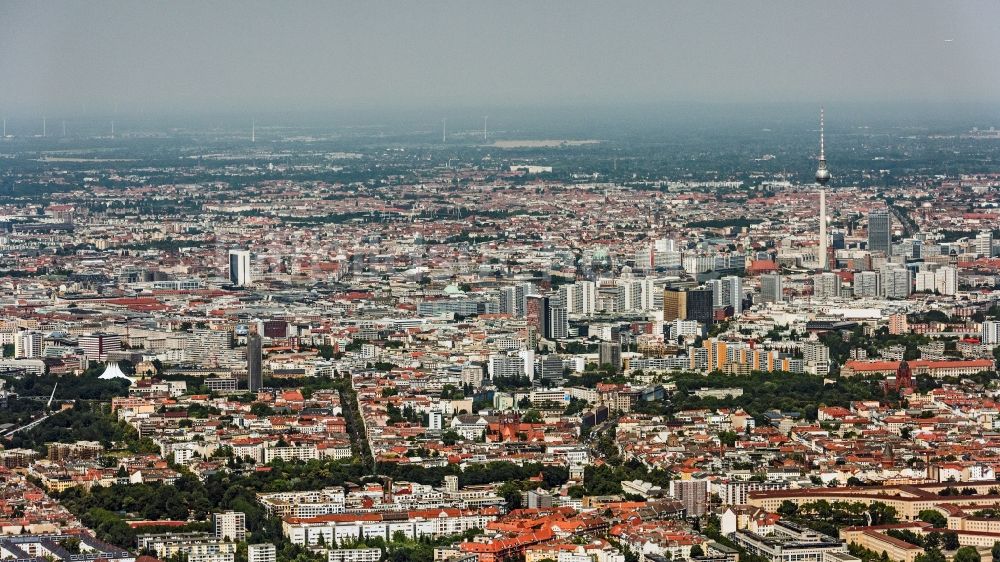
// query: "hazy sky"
[[248, 56]]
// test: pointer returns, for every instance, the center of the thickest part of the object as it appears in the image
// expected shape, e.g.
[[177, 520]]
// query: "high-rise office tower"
[[699, 306], [264, 552], [580, 297], [924, 281], [674, 305], [867, 284], [771, 289], [826, 285], [28, 345], [537, 314], [879, 231], [693, 494], [513, 300], [508, 300], [991, 332], [732, 293], [230, 525], [558, 323], [610, 353], [96, 346], [696, 304], [946, 281], [652, 294], [897, 282], [239, 267], [984, 243], [631, 294], [255, 359], [557, 317], [718, 300]]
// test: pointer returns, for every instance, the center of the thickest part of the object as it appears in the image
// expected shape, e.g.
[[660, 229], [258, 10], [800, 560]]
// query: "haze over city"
[[99, 57]]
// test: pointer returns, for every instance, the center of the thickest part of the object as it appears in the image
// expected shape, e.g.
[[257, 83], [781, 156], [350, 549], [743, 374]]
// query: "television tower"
[[822, 177]]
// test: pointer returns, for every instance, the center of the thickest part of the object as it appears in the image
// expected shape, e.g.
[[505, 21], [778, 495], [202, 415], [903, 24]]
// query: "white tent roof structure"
[[113, 371]]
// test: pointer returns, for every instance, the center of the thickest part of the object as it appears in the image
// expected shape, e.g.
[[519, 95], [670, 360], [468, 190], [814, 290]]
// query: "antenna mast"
[[822, 152]]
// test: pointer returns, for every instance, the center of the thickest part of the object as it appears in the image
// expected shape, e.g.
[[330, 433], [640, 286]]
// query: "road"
[[909, 226]]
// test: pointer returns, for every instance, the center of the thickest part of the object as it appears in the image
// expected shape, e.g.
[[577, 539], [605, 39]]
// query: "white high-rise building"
[[650, 290], [669, 259], [817, 358], [514, 299], [230, 525], [528, 357], [503, 366], [946, 281], [558, 323], [984, 243], [584, 298], [239, 267], [771, 289], [28, 345], [687, 328], [925, 281], [265, 552], [991, 332], [569, 296], [665, 245], [732, 292], [897, 282], [644, 258], [715, 285], [866, 284], [632, 294], [435, 420], [826, 285], [727, 291], [206, 345]]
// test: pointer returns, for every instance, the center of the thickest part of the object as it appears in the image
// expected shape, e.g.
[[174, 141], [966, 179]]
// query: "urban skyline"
[[499, 282]]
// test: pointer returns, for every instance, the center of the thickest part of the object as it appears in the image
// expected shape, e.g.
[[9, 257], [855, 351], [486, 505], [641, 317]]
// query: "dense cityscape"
[[758, 333], [267, 347]]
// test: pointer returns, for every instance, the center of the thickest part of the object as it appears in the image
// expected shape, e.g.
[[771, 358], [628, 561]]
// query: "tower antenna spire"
[[822, 151]]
